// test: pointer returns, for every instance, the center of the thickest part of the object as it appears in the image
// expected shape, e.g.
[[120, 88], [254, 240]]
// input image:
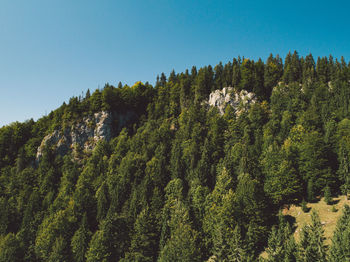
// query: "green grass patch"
[[326, 212]]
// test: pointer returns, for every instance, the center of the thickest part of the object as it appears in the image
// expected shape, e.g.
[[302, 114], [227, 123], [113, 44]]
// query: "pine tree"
[[110, 241], [304, 206], [248, 77], [87, 95], [237, 251], [272, 73], [340, 248], [282, 182], [80, 240], [308, 70], [10, 249], [144, 242], [182, 243], [343, 135], [322, 69], [59, 251], [102, 201], [311, 246], [327, 195], [287, 72], [236, 73], [281, 244], [310, 190]]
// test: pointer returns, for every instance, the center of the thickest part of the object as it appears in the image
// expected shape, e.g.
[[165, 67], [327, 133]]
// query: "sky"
[[51, 50]]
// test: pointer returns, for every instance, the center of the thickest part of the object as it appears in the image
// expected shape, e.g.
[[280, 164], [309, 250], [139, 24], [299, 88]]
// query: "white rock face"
[[84, 134], [228, 97]]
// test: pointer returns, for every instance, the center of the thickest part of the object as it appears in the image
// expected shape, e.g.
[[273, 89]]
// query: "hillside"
[[197, 167]]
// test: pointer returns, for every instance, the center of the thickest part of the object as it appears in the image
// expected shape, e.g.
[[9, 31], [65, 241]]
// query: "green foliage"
[[53, 227], [182, 242], [282, 182], [304, 206], [310, 190], [312, 161], [178, 181], [144, 243], [10, 249], [343, 136], [327, 195], [110, 240], [80, 240], [311, 246], [340, 250], [281, 243]]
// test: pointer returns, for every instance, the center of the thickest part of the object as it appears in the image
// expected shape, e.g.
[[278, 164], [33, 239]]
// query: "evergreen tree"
[[310, 190], [327, 195], [272, 74], [110, 240], [311, 246], [248, 77], [80, 240], [312, 162], [282, 182], [59, 251], [102, 202], [343, 136], [308, 70], [340, 249], [281, 245], [323, 70], [182, 244], [10, 249], [144, 242], [236, 73]]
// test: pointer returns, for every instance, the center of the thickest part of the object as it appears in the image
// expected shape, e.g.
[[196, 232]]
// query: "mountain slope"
[[176, 173]]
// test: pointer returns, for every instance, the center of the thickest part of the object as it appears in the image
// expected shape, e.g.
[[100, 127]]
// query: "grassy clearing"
[[328, 217]]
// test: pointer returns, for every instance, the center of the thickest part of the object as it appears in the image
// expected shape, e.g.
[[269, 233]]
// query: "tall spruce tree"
[[312, 246], [340, 249]]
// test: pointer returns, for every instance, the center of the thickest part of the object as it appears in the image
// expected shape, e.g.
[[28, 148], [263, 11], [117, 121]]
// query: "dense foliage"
[[183, 183]]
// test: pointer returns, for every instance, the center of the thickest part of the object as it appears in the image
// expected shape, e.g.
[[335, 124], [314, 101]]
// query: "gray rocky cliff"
[[239, 101], [84, 135]]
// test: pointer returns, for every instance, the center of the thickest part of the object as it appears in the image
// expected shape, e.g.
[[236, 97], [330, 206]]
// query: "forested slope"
[[181, 181]]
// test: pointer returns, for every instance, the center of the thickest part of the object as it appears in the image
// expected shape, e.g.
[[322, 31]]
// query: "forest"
[[182, 182]]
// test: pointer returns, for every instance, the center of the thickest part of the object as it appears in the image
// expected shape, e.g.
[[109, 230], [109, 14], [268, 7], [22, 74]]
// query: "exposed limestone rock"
[[228, 97], [55, 138], [330, 86], [85, 134]]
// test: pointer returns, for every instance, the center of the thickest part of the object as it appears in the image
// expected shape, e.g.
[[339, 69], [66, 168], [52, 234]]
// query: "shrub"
[[304, 206], [327, 195]]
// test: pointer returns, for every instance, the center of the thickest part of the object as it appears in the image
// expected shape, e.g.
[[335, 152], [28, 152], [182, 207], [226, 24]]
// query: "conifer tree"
[[144, 243], [272, 73], [312, 246], [236, 73], [340, 248], [281, 244], [10, 249], [110, 241], [182, 242], [327, 195], [343, 136], [310, 190], [80, 240]]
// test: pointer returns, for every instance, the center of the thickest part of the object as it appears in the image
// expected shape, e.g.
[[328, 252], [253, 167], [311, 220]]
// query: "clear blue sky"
[[51, 50]]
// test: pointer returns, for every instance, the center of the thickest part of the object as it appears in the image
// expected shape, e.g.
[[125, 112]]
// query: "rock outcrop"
[[84, 135], [228, 97]]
